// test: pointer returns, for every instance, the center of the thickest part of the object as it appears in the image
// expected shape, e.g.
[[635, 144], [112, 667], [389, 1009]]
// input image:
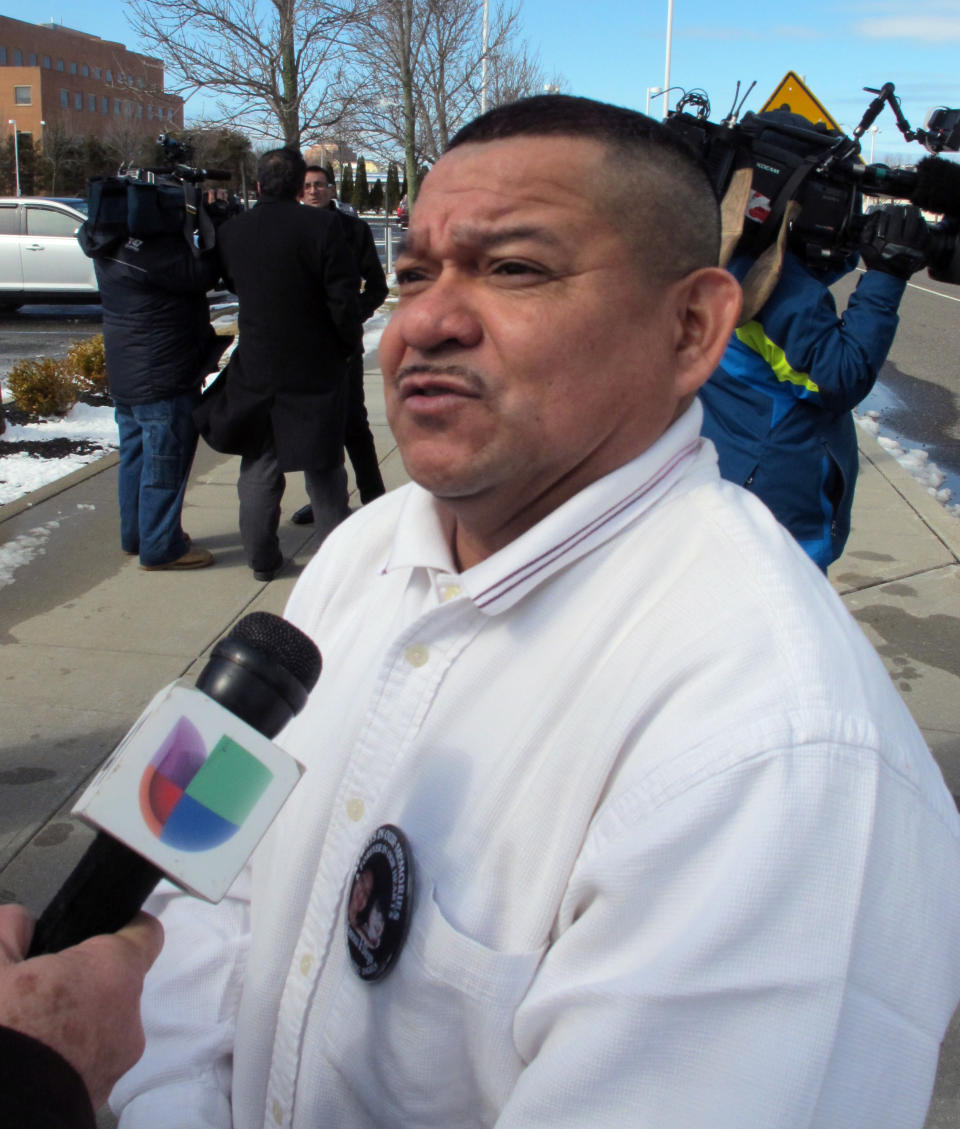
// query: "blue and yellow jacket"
[[778, 407]]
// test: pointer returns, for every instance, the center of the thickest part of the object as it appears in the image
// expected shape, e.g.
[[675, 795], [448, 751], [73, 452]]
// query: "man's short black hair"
[[280, 174], [654, 187], [331, 179]]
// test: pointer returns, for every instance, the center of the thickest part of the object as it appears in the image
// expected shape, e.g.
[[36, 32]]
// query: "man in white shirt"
[[611, 814]]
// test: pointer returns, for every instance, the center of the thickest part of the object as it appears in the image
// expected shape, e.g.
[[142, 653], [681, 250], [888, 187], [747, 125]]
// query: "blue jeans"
[[157, 445]]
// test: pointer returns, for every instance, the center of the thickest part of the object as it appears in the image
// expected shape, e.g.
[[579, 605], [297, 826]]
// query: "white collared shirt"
[[682, 858]]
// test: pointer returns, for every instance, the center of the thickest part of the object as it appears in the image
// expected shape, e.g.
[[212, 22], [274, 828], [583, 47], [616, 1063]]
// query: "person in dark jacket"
[[778, 409], [281, 401], [159, 346], [319, 191]]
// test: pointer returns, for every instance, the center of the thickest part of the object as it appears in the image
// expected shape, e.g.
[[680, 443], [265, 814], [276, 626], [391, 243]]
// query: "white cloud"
[[752, 35], [922, 28]]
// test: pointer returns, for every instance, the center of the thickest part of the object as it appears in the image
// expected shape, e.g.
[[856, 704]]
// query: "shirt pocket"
[[434, 1038]]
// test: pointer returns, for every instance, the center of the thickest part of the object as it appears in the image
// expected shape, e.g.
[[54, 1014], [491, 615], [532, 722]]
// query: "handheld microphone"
[[262, 672]]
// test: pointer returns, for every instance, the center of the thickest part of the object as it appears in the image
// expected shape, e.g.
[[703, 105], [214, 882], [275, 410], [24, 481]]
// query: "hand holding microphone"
[[83, 1003]]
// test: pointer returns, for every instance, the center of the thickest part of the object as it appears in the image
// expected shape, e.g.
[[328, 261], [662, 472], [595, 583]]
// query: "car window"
[[9, 224], [45, 221]]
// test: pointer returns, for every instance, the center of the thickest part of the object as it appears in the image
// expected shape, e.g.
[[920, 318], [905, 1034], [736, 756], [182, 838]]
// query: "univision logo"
[[192, 800]]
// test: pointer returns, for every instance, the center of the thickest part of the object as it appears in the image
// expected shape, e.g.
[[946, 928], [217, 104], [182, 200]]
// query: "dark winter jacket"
[[299, 321], [360, 238], [778, 407], [156, 322]]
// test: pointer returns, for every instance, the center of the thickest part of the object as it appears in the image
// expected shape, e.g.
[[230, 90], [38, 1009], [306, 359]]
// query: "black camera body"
[[146, 202], [792, 159]]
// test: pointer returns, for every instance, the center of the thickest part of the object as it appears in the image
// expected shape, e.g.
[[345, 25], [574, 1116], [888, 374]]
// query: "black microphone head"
[[285, 644], [938, 186]]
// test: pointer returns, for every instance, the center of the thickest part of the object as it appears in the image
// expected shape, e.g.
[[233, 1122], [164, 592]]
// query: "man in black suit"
[[282, 404], [319, 191]]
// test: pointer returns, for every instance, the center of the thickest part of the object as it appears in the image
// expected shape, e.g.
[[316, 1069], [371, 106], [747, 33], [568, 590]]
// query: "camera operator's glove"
[[894, 240]]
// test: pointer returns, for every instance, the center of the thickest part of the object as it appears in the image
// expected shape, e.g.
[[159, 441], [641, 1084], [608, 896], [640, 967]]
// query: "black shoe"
[[266, 574], [303, 516]]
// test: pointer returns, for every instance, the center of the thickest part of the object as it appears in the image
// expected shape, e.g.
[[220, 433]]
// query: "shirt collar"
[[590, 518]]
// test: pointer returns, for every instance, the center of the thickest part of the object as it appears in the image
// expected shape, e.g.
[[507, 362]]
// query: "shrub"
[[43, 387], [87, 363]]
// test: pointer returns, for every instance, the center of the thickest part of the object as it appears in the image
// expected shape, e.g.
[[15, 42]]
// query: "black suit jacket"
[[297, 283], [360, 238]]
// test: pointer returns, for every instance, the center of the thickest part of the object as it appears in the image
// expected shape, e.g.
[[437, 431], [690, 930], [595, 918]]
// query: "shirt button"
[[449, 592], [306, 963], [355, 809], [277, 1111], [416, 655]]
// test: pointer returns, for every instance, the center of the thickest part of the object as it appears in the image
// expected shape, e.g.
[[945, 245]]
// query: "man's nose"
[[442, 315]]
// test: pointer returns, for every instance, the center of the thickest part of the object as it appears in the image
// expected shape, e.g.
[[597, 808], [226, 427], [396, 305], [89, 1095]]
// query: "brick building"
[[54, 77]]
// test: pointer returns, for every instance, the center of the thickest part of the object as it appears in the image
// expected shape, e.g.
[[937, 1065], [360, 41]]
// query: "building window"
[[96, 72], [21, 95], [73, 68], [116, 105], [3, 56], [139, 110], [109, 76], [65, 99], [78, 101], [59, 64], [92, 103], [85, 71], [46, 62], [140, 84], [17, 57], [31, 60], [104, 104]]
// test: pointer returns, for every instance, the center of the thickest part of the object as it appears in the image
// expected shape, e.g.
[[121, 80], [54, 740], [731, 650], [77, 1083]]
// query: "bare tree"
[[273, 68], [423, 62]]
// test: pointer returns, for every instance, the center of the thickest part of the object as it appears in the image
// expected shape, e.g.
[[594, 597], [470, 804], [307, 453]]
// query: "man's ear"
[[708, 304]]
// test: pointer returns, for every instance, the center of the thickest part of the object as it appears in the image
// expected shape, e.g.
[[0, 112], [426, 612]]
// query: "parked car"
[[403, 212], [40, 258]]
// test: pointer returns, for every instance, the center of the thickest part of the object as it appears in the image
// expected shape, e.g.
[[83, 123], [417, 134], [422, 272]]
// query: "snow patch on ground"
[[916, 461], [23, 549], [21, 473]]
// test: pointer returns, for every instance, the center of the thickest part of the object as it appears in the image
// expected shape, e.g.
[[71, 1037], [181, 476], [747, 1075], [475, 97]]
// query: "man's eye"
[[516, 267], [407, 275]]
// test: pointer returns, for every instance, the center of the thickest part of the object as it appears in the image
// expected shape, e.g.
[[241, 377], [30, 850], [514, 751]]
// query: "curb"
[[51, 489], [945, 527]]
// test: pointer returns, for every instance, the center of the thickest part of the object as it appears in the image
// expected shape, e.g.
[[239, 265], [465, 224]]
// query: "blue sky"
[[614, 51]]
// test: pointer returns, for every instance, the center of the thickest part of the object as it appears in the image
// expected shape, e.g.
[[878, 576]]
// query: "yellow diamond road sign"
[[792, 94]]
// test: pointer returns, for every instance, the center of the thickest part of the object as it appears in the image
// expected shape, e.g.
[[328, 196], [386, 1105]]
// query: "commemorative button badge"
[[379, 903]]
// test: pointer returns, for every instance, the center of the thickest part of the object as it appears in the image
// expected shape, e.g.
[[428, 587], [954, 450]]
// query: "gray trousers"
[[260, 489]]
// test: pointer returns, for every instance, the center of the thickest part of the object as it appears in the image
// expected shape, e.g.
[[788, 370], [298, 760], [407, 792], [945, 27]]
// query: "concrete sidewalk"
[[88, 637]]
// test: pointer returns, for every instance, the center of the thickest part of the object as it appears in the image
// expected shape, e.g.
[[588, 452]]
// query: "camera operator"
[[778, 408], [159, 346]]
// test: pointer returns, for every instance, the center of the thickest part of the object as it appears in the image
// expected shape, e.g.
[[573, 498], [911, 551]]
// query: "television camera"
[[145, 202], [791, 159]]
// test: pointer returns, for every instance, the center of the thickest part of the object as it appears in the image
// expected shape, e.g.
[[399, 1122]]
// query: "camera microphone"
[[934, 186], [261, 673], [938, 186]]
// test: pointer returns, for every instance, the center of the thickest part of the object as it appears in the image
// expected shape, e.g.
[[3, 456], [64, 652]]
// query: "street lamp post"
[[483, 59], [16, 152], [666, 66], [874, 130]]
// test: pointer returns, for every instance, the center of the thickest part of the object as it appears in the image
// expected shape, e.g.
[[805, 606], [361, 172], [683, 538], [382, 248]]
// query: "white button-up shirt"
[[681, 856]]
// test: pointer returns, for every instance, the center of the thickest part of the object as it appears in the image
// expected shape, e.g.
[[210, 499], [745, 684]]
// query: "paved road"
[[918, 392]]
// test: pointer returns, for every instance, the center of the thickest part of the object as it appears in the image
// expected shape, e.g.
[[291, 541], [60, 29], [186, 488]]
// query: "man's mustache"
[[429, 368]]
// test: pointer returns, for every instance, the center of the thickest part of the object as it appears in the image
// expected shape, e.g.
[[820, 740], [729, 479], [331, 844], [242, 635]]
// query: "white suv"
[[40, 258]]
